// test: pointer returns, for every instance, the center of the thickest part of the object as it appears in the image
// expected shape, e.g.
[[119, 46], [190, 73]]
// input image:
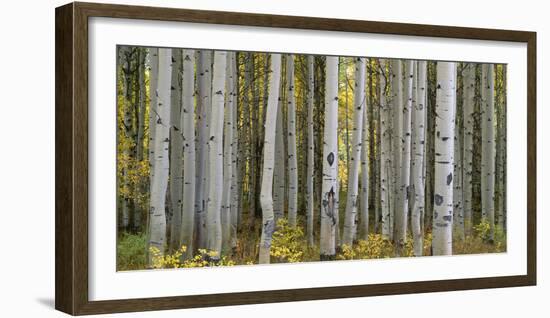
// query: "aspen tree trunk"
[[204, 104], [385, 153], [330, 166], [157, 215], [500, 165], [280, 158], [488, 149], [417, 163], [176, 152], [291, 143], [402, 210], [141, 131], [235, 193], [227, 158], [266, 199], [153, 114], [458, 211], [397, 143], [350, 217], [469, 95], [375, 104], [442, 243], [215, 161], [310, 148], [188, 125]]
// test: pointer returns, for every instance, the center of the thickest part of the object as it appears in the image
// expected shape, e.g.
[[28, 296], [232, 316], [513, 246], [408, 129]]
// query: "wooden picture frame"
[[71, 221]]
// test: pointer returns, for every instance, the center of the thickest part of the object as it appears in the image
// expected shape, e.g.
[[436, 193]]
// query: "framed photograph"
[[211, 158]]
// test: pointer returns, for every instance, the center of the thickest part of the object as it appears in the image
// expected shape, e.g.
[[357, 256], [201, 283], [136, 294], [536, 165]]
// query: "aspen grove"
[[236, 158]]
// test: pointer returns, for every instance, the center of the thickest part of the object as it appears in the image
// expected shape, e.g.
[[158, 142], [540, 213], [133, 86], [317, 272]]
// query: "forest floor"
[[290, 245]]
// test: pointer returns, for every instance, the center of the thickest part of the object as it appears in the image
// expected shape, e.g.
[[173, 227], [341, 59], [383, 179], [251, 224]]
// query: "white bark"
[[176, 153], [396, 142], [215, 161], [266, 198], [385, 154], [365, 171], [488, 149], [442, 243], [235, 193], [330, 165], [417, 159], [204, 104], [310, 148], [227, 157], [188, 124], [153, 115], [402, 210], [157, 215], [280, 158], [350, 217], [291, 141], [469, 94]]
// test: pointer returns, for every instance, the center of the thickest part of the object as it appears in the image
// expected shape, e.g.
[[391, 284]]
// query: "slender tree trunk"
[[417, 163], [469, 94], [310, 150], [350, 221], [227, 158], [292, 158], [330, 166], [458, 211], [235, 193], [488, 150], [402, 210], [157, 215], [280, 158], [397, 143], [125, 62], [442, 243], [266, 199], [188, 125], [176, 153], [215, 162], [204, 104], [385, 153]]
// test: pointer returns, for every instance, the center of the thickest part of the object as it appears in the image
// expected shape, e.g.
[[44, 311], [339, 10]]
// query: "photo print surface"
[[229, 158]]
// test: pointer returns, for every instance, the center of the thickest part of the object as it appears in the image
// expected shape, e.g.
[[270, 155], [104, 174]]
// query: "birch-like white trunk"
[[350, 217], [365, 171], [235, 193], [280, 159], [310, 150], [402, 210], [153, 101], [215, 160], [469, 89], [204, 104], [396, 142], [227, 157], [157, 214], [488, 149], [385, 153], [266, 198], [176, 152], [330, 163], [417, 159], [445, 108], [458, 211], [291, 143], [188, 125]]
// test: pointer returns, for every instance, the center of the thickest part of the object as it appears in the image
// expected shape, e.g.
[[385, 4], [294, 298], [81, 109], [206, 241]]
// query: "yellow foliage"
[[204, 258], [288, 243], [375, 247]]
